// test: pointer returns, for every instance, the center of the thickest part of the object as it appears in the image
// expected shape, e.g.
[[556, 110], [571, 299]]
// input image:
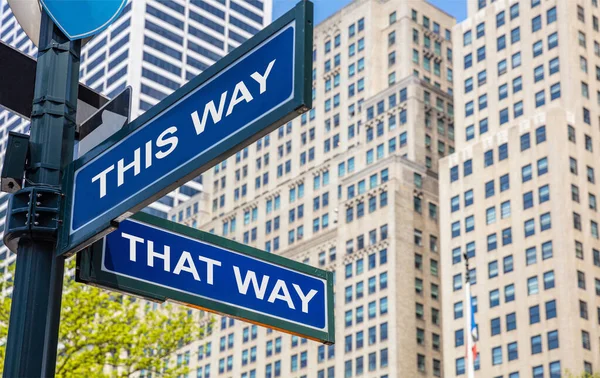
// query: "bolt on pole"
[[36, 300]]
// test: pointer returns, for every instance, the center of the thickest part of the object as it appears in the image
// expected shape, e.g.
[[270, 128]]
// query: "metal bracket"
[[15, 160], [33, 215]]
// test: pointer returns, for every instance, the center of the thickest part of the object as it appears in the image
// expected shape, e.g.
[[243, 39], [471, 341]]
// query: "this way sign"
[[163, 260], [259, 86]]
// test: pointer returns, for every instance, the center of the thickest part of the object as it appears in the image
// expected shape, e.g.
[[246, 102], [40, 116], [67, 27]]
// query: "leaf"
[[106, 334]]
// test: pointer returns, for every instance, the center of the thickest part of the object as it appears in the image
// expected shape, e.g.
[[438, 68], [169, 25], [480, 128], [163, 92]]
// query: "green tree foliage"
[[106, 334], [582, 375]]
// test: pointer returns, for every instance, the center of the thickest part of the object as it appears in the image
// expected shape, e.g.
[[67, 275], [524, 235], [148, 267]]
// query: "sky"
[[325, 8]]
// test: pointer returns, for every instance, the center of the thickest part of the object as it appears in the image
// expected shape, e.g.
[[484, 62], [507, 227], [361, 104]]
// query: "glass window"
[[532, 285], [538, 48], [497, 356], [536, 23]]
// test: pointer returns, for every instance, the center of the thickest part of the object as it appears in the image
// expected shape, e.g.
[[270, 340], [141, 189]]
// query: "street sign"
[[83, 18], [162, 260], [17, 95], [262, 84], [104, 123]]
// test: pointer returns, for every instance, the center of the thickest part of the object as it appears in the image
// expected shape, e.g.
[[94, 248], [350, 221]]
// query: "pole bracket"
[[33, 214], [64, 47]]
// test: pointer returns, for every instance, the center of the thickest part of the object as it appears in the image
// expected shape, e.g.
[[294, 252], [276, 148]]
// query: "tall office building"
[[155, 47], [350, 187], [519, 196]]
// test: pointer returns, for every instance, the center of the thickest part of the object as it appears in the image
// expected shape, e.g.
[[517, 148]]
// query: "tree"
[[106, 334], [582, 375]]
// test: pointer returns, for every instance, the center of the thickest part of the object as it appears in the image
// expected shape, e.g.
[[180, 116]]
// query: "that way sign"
[[162, 260], [262, 84]]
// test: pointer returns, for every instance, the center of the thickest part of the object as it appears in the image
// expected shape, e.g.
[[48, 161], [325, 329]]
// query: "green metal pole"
[[35, 311]]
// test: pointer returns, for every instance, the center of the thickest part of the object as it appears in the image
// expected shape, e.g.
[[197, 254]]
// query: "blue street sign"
[[258, 87], [83, 18], [163, 260]]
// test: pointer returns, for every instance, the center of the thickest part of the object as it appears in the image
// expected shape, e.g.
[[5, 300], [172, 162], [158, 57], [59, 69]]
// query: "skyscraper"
[[351, 187], [155, 47], [519, 195]]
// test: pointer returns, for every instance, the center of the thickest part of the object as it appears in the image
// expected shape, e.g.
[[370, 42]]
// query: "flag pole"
[[470, 365]]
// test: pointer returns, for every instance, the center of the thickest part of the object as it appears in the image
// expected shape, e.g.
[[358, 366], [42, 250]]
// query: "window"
[[540, 98], [544, 194], [501, 43], [545, 222], [529, 227], [551, 15], [552, 338], [555, 91], [538, 48], [492, 243], [518, 109], [505, 209], [469, 196], [532, 285], [508, 264], [460, 366], [538, 73], [542, 166], [540, 134], [530, 256], [468, 61], [514, 11], [494, 298], [581, 38], [489, 189], [581, 280], [481, 54], [552, 40], [526, 173], [517, 84], [515, 35], [525, 142], [504, 182], [503, 92], [503, 152], [495, 326], [583, 311], [513, 351], [467, 38], [504, 116], [576, 221], [509, 293], [497, 356], [457, 282], [490, 215], [536, 23], [536, 344], [458, 310], [502, 67], [493, 269], [534, 314], [488, 158], [459, 338], [549, 280]]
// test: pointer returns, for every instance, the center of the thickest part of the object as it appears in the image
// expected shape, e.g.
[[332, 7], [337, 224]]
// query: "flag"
[[473, 331], [472, 334]]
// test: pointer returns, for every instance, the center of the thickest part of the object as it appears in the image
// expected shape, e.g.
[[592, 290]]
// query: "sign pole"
[[35, 311]]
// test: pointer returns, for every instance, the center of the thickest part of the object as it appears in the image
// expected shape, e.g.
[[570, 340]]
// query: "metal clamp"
[[32, 214]]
